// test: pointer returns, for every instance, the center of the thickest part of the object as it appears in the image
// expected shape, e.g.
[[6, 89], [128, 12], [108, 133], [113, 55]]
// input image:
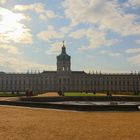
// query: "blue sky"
[[99, 34]]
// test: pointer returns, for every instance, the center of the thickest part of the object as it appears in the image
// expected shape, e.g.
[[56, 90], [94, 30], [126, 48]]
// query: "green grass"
[[97, 94], [137, 94], [83, 94], [9, 94]]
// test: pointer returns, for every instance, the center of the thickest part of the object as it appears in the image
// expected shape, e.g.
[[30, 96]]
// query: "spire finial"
[[63, 42], [63, 48]]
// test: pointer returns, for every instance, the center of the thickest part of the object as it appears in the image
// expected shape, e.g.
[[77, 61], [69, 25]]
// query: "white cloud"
[[25, 37], [133, 50], [42, 16], [135, 59], [108, 15], [138, 42], [3, 1], [96, 38], [83, 48], [38, 8], [66, 29], [114, 54], [50, 34], [50, 27], [19, 64], [79, 33], [103, 52], [9, 48], [11, 30], [135, 3], [48, 15], [55, 48]]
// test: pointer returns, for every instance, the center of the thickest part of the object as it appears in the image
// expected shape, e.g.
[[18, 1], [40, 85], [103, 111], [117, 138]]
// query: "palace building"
[[66, 80]]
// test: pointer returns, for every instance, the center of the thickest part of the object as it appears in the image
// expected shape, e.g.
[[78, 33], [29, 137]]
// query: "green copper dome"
[[63, 56]]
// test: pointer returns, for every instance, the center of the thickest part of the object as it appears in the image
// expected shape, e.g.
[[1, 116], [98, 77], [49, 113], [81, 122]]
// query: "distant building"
[[64, 79]]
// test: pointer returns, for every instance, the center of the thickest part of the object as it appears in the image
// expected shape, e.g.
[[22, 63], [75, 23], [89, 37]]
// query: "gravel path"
[[42, 124]]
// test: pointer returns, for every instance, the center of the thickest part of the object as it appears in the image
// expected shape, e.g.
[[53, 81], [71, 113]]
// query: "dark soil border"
[[49, 102]]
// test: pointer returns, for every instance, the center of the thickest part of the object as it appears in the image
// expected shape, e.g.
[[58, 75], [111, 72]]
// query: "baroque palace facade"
[[64, 80]]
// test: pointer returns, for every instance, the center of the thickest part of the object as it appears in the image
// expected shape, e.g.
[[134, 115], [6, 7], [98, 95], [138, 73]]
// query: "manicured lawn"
[[137, 95], [83, 94], [97, 94], [9, 94]]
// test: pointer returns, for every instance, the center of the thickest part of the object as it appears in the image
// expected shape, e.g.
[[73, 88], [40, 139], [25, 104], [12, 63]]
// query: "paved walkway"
[[50, 94], [9, 98]]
